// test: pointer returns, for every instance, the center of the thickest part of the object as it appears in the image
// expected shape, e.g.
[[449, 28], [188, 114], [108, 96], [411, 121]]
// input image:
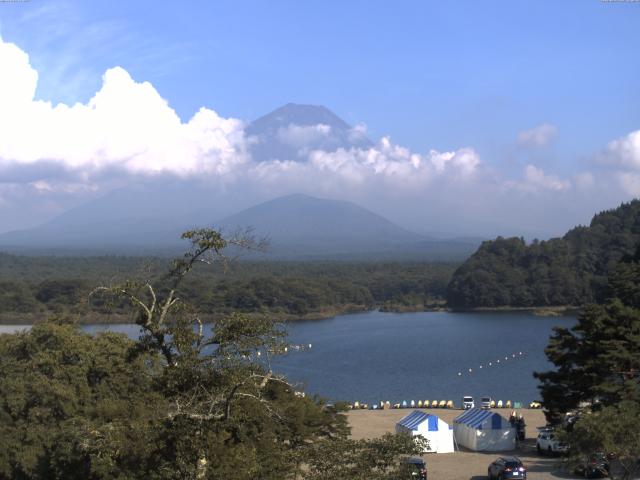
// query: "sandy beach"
[[464, 464]]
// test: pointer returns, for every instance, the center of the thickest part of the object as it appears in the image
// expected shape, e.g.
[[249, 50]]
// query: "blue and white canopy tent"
[[435, 430], [484, 431]]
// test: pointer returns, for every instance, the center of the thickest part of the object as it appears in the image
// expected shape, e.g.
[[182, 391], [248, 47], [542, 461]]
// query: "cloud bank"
[[54, 155]]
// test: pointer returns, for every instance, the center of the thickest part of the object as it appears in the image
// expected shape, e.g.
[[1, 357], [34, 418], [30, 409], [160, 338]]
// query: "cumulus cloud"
[[537, 137], [126, 125], [625, 152]]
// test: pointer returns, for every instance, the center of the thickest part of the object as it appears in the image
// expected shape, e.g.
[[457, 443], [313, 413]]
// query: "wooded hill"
[[33, 288], [571, 270]]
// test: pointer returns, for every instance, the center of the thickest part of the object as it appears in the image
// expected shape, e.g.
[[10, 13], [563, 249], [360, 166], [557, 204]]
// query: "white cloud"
[[538, 137], [536, 180], [303, 135], [625, 152], [126, 125]]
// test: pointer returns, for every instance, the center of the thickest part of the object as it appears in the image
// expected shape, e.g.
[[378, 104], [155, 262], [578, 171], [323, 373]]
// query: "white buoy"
[[470, 370], [497, 361], [490, 363], [459, 374], [309, 345], [480, 366]]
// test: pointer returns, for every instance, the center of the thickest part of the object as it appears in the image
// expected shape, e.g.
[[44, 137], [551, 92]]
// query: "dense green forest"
[[571, 270], [32, 288]]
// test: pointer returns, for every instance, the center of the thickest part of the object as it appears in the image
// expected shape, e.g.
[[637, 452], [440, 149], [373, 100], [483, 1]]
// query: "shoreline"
[[322, 314]]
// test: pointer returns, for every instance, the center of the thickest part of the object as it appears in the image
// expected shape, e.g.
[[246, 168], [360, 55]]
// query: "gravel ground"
[[464, 464]]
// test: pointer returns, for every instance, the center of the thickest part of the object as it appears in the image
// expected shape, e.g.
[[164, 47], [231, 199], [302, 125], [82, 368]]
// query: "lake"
[[376, 356]]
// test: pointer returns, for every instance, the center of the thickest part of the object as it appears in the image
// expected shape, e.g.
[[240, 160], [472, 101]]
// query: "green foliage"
[[571, 270], [598, 360], [73, 406], [376, 459], [43, 285], [614, 430]]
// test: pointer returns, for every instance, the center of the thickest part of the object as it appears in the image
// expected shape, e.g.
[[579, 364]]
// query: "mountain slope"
[[571, 270], [303, 224]]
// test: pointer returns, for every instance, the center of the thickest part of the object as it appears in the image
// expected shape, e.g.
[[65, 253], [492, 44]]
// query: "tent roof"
[[415, 418], [476, 417]]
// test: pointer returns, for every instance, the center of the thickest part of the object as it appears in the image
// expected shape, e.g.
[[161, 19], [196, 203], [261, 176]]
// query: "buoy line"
[[517, 355]]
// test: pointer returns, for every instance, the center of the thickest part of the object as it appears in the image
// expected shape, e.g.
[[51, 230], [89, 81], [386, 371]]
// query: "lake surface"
[[376, 356]]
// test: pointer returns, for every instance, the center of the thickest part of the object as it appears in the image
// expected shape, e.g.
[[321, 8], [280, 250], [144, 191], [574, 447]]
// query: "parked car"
[[416, 468], [595, 465], [548, 443], [467, 402], [506, 467], [485, 402]]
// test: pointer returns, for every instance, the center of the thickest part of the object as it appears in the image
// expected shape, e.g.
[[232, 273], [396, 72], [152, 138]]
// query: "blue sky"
[[431, 75]]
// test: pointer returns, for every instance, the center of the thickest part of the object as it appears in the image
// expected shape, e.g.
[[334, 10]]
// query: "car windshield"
[[486, 399], [467, 399]]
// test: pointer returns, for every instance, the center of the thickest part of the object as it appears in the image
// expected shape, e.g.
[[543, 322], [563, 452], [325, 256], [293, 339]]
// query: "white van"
[[467, 402]]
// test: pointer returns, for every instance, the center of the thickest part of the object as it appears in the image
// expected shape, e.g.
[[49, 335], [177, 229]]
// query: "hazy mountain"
[[304, 224], [304, 227], [291, 131], [297, 226], [131, 220]]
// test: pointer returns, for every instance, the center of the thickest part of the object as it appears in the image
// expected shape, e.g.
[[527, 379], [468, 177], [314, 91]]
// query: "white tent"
[[431, 427], [484, 430]]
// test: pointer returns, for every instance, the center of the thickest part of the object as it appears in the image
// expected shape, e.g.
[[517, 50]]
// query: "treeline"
[[33, 287], [571, 270]]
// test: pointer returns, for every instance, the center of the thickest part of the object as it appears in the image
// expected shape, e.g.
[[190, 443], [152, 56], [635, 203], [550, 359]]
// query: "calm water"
[[377, 356]]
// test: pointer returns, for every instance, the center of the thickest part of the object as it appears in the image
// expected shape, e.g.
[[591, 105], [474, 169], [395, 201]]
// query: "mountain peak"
[[291, 131]]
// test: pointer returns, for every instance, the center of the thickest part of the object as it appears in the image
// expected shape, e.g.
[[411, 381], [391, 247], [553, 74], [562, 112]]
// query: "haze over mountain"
[[297, 226]]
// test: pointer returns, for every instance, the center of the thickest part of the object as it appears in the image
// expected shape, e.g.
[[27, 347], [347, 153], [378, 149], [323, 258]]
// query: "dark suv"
[[416, 468], [506, 467], [595, 465]]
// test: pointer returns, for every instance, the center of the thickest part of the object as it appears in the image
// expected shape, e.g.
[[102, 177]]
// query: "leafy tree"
[[598, 359], [74, 406], [571, 270], [187, 400], [614, 430], [375, 459]]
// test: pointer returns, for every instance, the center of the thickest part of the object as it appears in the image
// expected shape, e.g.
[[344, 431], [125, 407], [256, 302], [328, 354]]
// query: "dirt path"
[[464, 464]]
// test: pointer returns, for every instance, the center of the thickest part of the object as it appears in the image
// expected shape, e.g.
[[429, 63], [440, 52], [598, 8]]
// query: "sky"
[[488, 117]]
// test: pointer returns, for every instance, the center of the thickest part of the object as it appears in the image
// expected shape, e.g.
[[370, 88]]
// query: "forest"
[[32, 288], [567, 271]]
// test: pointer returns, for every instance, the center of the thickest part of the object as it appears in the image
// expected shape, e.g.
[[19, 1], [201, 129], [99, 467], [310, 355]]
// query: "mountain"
[[292, 131], [135, 219], [300, 224], [303, 227], [571, 270], [297, 226]]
